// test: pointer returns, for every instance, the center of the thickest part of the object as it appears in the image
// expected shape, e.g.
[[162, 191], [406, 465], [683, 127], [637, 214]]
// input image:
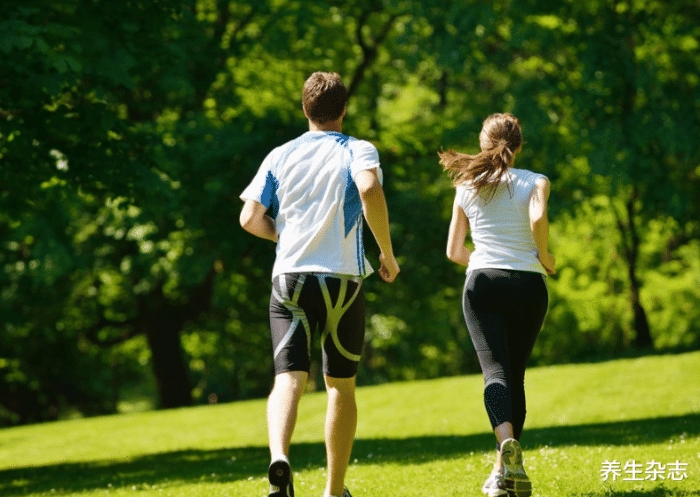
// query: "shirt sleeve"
[[533, 177], [263, 187], [364, 157], [460, 194]]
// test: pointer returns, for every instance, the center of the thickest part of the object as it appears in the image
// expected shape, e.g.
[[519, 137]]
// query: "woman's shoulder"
[[464, 192], [527, 176]]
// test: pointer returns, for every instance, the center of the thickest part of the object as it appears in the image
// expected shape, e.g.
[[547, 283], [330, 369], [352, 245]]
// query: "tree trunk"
[[442, 86], [630, 248], [172, 378], [369, 48], [641, 324], [162, 322], [628, 230]]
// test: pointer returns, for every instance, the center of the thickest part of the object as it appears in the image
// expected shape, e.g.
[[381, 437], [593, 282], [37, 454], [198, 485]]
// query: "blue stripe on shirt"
[[352, 207], [269, 195]]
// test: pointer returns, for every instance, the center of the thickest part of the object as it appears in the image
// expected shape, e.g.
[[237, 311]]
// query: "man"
[[318, 186]]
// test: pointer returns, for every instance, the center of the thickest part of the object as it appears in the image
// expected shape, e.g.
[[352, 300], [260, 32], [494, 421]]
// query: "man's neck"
[[336, 126]]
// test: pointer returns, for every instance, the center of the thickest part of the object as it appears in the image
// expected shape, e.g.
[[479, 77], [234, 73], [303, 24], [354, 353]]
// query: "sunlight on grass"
[[413, 439]]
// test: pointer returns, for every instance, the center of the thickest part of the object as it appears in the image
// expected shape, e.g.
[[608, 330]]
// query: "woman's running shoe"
[[517, 482], [495, 485]]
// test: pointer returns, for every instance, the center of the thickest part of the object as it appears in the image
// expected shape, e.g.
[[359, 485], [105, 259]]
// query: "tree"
[[605, 88], [128, 130], [63, 145], [84, 163], [628, 106], [136, 152]]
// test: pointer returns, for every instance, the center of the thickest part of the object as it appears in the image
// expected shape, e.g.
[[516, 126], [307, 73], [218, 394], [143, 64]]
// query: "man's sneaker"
[[280, 476], [517, 482], [495, 485]]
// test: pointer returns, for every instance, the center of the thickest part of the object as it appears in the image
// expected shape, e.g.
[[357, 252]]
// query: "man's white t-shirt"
[[309, 185], [500, 226]]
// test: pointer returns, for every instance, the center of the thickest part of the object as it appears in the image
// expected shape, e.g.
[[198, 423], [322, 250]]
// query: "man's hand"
[[389, 268]]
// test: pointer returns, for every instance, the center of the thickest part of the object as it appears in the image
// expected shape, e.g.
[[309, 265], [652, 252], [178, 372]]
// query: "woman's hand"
[[548, 262]]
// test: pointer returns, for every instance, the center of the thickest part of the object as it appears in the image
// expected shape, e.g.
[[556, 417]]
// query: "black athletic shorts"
[[301, 304]]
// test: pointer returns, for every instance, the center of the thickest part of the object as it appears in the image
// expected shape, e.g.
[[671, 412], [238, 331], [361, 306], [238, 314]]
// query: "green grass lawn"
[[426, 438]]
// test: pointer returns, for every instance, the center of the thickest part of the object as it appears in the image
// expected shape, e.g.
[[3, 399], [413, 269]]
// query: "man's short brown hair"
[[324, 97]]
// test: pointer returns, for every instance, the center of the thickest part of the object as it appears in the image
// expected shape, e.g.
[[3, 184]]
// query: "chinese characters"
[[637, 471]]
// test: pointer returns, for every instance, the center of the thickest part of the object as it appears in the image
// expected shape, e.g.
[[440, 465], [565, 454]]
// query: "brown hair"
[[324, 97], [500, 139]]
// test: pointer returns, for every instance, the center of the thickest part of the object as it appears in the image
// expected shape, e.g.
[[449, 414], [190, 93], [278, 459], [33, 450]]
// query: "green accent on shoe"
[[517, 482]]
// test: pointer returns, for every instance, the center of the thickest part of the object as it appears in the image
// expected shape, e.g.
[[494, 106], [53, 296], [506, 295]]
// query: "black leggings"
[[504, 311]]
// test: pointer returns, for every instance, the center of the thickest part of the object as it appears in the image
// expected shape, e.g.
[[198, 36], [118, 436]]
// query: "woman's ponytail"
[[500, 140]]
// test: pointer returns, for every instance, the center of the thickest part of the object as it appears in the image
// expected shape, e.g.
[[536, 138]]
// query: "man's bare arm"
[[254, 219], [377, 215]]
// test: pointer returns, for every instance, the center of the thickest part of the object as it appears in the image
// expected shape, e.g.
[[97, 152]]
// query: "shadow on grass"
[[657, 492], [228, 465]]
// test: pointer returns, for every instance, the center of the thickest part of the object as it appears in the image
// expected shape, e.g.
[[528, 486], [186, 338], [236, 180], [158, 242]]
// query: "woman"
[[505, 294]]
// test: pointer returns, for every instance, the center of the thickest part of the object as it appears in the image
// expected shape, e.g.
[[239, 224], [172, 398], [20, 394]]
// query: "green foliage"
[[128, 130], [589, 308], [676, 272]]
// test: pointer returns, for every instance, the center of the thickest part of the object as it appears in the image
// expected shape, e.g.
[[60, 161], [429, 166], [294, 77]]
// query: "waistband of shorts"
[[348, 277]]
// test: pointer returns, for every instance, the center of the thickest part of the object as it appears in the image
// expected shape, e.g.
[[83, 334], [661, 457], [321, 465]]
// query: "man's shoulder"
[[285, 148], [363, 150], [293, 143], [360, 143]]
